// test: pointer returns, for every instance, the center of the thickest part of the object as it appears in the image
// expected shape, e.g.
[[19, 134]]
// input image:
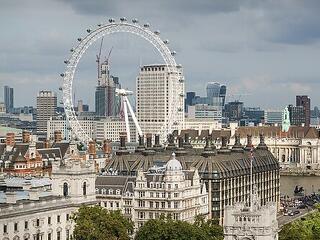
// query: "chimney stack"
[[122, 149], [57, 136], [25, 137], [141, 147], [208, 151], [237, 146], [262, 144], [171, 145], [186, 143], [157, 146], [180, 142], [46, 143], [10, 139], [92, 148], [123, 141], [149, 141], [107, 147], [149, 150], [224, 147], [249, 142]]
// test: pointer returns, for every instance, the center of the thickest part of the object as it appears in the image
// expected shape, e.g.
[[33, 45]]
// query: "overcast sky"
[[268, 50]]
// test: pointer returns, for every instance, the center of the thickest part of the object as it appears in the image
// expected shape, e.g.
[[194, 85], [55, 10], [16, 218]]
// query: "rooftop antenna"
[[98, 58]]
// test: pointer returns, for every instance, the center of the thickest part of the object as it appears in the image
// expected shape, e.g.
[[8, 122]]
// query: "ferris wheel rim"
[[77, 53]]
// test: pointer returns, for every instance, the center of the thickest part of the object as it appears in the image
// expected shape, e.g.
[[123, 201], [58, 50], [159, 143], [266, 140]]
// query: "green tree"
[[96, 223], [168, 229], [306, 229]]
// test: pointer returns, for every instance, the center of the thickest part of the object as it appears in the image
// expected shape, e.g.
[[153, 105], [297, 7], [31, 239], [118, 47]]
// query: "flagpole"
[[251, 178]]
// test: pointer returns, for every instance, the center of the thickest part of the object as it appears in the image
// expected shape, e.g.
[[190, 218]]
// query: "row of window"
[[159, 185], [159, 205], [152, 69], [37, 223]]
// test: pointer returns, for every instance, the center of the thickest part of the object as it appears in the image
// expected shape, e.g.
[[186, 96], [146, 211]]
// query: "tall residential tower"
[[46, 109]]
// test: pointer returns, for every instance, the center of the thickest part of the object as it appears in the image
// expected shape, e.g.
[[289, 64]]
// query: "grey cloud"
[[216, 40]]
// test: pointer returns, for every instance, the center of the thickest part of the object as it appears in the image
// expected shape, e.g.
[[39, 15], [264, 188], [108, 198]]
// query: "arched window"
[[65, 189], [84, 189]]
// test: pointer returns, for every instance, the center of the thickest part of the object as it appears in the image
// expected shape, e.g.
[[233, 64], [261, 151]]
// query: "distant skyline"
[[267, 49]]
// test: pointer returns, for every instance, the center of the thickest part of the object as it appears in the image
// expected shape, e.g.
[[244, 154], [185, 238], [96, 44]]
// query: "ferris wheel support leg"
[[126, 118], [133, 116]]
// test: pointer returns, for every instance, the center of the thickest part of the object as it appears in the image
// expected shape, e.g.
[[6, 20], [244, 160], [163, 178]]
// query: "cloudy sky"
[[268, 50]]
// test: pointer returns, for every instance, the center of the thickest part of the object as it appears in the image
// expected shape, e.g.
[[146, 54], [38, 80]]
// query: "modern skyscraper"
[[8, 99], [273, 116], [106, 101], [297, 115], [46, 109], [234, 110], [216, 94], [188, 100], [305, 102], [156, 85], [222, 95]]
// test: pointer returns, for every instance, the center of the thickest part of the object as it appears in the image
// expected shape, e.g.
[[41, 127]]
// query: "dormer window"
[[118, 191]]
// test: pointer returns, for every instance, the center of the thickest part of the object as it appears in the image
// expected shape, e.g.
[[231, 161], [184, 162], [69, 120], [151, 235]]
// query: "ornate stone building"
[[43, 214], [224, 171], [165, 190], [298, 147], [251, 223]]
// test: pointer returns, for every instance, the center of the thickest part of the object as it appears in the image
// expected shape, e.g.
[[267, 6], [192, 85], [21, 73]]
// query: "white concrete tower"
[[159, 91]]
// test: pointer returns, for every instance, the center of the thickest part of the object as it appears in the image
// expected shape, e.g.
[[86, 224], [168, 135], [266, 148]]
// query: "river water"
[[309, 183]]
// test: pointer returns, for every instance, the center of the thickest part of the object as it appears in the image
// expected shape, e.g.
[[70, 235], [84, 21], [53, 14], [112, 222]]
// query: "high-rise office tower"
[[297, 115], [46, 109], [305, 102], [106, 101], [222, 94], [8, 99], [157, 88], [216, 94], [188, 100]]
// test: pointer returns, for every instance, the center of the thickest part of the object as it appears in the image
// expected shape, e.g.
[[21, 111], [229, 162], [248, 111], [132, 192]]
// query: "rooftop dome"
[[173, 164]]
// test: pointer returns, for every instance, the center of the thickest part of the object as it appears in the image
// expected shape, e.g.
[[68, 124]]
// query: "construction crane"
[[107, 59], [123, 93], [98, 59]]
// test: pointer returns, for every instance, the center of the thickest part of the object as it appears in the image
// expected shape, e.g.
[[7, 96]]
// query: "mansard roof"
[[220, 165], [110, 182]]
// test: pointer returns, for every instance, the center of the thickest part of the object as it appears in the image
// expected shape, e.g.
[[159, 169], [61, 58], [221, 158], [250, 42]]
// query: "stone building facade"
[[165, 190], [251, 223], [38, 214], [224, 171]]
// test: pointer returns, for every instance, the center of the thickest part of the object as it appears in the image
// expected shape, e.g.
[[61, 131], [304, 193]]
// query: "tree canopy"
[[169, 229], [97, 223], [307, 228]]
